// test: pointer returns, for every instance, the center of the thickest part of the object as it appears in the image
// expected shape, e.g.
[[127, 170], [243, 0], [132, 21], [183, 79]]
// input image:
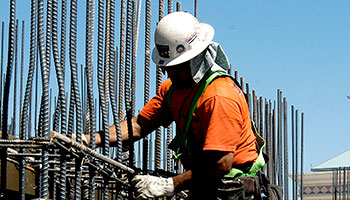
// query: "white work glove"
[[147, 186], [83, 139]]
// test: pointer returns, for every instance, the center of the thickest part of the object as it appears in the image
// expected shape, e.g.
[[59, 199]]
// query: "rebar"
[[103, 87], [261, 116], [32, 56], [21, 81], [159, 78], [195, 8], [279, 135], [36, 131], [128, 98], [170, 127], [296, 151], [285, 151], [293, 152], [121, 60], [302, 160], [170, 6], [7, 91], [268, 138], [136, 27], [248, 97], [114, 105], [147, 76], [60, 111], [15, 80], [242, 83], [62, 106], [1, 69], [75, 97], [178, 6], [255, 108], [22, 180], [91, 127], [273, 144]]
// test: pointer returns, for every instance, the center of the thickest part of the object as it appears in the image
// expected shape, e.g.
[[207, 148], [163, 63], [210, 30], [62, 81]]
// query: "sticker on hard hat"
[[180, 48], [163, 51], [193, 37]]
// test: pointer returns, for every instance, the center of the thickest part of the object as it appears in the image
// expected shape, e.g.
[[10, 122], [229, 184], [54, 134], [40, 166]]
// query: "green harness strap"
[[209, 77]]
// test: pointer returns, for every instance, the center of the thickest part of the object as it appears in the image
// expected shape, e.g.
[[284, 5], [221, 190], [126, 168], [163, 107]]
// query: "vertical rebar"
[[268, 139], [21, 76], [293, 152], [105, 94], [133, 57], [285, 151], [296, 152], [100, 78], [159, 78], [302, 158], [37, 58], [114, 104], [21, 136], [242, 83], [91, 127], [347, 182], [255, 108], [63, 105], [21, 169], [121, 59], [169, 137], [236, 75], [178, 6], [273, 142], [112, 66], [7, 91], [15, 81], [170, 6], [147, 76], [44, 108], [261, 116], [60, 111], [339, 182], [257, 125], [195, 8], [334, 184], [128, 65], [75, 89], [248, 98], [280, 136], [1, 69]]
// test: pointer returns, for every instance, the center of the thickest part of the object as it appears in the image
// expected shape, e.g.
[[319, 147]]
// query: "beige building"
[[329, 180]]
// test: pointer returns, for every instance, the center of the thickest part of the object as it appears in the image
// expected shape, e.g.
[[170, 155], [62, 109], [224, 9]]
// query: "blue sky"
[[300, 47]]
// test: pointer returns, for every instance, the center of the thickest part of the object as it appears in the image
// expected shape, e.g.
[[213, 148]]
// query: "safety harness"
[[181, 145]]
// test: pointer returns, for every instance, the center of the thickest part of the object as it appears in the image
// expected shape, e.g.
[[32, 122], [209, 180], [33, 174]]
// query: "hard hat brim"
[[206, 30]]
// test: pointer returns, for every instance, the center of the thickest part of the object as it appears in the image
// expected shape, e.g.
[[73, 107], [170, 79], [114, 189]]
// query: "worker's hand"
[[83, 139], [147, 186]]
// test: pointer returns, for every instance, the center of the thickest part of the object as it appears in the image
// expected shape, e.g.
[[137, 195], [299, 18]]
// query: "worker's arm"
[[141, 127], [209, 167], [201, 179]]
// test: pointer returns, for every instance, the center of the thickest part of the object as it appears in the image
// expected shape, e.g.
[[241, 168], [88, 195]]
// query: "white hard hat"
[[179, 37]]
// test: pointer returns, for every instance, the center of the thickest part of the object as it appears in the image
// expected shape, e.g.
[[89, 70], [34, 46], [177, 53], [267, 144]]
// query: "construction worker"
[[212, 139]]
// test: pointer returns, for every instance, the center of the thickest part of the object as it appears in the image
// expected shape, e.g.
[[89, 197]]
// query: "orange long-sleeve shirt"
[[221, 120]]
